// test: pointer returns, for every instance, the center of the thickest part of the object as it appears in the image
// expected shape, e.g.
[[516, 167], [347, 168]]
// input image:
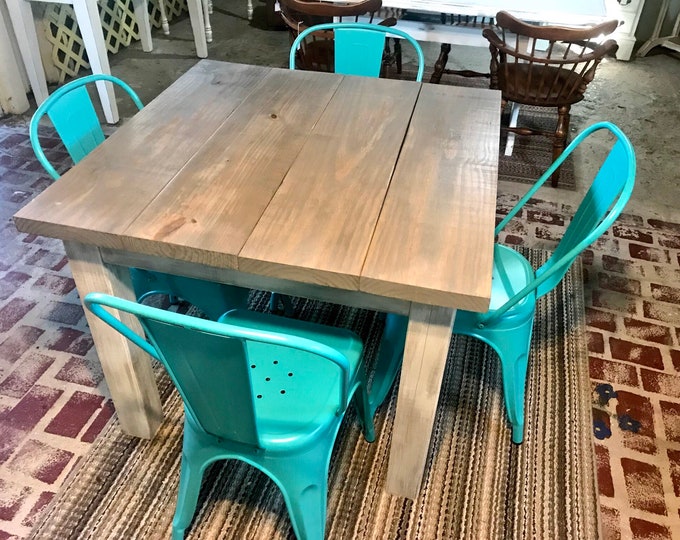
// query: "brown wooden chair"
[[317, 53], [545, 66]]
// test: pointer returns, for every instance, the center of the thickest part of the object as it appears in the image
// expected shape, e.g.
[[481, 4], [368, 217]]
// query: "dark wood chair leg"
[[560, 140], [440, 64], [397, 54]]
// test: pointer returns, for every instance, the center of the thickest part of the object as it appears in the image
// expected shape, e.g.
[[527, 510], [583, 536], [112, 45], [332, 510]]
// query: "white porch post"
[[12, 90]]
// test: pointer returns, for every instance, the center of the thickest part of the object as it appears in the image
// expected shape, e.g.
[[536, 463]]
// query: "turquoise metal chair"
[[259, 388], [359, 47], [72, 114], [516, 287]]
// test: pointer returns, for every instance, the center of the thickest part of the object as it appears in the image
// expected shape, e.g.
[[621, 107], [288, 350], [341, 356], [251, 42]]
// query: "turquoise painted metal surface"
[[359, 47], [516, 287], [259, 388]]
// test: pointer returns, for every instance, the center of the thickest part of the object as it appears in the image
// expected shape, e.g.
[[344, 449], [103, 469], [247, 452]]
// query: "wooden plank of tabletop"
[[208, 211], [320, 222], [97, 199], [434, 240]]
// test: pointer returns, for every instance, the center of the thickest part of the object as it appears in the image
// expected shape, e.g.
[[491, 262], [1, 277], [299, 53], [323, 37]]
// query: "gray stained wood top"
[[381, 186]]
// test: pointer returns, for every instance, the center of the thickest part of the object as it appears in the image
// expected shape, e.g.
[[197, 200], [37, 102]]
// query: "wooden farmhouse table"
[[368, 192]]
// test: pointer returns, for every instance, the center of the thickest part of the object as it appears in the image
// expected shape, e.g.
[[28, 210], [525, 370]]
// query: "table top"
[[381, 186]]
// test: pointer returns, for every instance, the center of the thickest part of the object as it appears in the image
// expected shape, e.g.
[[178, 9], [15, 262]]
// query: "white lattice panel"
[[118, 22]]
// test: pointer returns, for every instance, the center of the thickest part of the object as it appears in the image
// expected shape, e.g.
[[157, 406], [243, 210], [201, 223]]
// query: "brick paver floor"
[[53, 401]]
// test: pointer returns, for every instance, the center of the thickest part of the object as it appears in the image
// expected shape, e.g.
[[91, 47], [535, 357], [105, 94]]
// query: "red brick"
[[11, 282], [648, 530], [635, 408], [615, 264], [64, 313], [31, 408], [540, 204], [611, 523], [13, 311], [10, 440], [18, 342], [644, 486], [73, 416], [648, 331], [661, 383], [665, 273], [587, 257], [669, 241], [12, 497], [40, 461], [516, 227], [513, 240], [675, 358], [630, 219], [674, 459], [629, 233], [72, 341], [44, 258], [549, 218], [25, 375], [661, 312], [595, 342], [619, 284], [601, 319], [634, 352], [55, 284], [621, 303], [670, 414], [605, 484], [44, 499], [651, 254], [607, 244], [613, 372], [80, 371], [666, 226], [551, 235], [60, 264], [665, 293], [99, 423]]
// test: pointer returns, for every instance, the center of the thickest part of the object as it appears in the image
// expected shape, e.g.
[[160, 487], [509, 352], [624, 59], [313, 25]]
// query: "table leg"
[[90, 25], [127, 368], [427, 344], [24, 29]]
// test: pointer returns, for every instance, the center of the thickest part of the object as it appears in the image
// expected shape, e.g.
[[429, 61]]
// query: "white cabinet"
[[627, 12]]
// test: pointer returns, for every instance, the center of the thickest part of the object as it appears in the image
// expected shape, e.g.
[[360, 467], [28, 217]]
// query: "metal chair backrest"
[[359, 47], [603, 203], [211, 363], [74, 117]]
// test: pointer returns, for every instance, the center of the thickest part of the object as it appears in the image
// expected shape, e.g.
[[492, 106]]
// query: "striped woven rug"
[[477, 485]]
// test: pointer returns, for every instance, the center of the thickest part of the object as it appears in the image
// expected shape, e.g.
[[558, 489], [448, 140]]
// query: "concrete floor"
[[642, 96]]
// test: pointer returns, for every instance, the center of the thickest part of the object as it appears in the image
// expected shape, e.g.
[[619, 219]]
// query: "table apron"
[[357, 299]]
